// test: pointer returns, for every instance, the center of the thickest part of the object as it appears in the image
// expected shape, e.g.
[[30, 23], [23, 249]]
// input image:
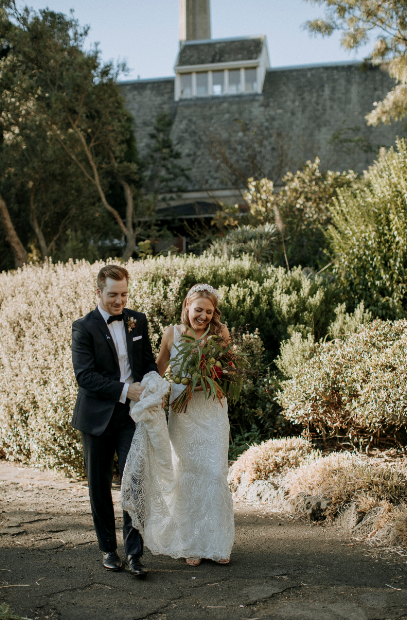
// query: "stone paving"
[[281, 569]]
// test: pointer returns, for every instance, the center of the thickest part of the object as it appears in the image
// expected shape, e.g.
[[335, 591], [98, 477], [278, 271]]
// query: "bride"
[[190, 508]]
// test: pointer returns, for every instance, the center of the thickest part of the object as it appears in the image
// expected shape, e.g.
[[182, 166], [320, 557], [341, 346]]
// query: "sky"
[[145, 32]]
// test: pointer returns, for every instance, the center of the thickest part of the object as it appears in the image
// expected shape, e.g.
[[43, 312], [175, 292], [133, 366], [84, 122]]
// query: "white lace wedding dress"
[[175, 481]]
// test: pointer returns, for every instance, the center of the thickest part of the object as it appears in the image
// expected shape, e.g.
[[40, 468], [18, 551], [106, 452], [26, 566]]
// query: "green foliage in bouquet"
[[215, 366]]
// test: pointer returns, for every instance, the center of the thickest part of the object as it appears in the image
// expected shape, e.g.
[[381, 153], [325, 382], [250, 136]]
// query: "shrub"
[[302, 206], [271, 457], [258, 241], [39, 303], [369, 237], [352, 386], [297, 350], [343, 478], [285, 473]]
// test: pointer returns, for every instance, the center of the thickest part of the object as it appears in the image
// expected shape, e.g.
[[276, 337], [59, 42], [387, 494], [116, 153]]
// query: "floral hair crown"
[[203, 287]]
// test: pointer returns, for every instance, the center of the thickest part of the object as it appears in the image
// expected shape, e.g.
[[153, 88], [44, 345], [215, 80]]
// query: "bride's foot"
[[225, 561], [193, 561]]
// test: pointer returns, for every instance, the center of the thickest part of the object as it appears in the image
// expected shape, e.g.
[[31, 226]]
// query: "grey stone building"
[[235, 116]]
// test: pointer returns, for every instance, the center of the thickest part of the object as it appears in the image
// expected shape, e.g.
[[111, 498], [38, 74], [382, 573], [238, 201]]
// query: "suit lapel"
[[129, 339], [101, 323]]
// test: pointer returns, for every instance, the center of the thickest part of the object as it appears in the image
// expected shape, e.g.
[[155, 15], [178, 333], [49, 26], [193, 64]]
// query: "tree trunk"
[[36, 226], [20, 254], [130, 234]]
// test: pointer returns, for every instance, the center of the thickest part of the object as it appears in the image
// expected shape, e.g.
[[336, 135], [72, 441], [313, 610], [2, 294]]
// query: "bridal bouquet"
[[215, 366]]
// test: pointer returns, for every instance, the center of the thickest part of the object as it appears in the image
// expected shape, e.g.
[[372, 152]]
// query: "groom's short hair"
[[111, 271]]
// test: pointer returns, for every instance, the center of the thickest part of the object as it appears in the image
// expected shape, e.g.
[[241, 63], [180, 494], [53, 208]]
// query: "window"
[[250, 78], [218, 82], [186, 85], [201, 84], [234, 81]]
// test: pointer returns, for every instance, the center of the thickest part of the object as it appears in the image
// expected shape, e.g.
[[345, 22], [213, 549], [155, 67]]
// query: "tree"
[[386, 22], [164, 172], [48, 79], [19, 251]]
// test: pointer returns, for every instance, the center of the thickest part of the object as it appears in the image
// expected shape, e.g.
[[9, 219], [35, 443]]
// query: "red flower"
[[230, 363], [218, 371]]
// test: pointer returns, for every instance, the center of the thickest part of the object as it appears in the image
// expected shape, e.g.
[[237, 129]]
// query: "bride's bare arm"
[[225, 334], [165, 349]]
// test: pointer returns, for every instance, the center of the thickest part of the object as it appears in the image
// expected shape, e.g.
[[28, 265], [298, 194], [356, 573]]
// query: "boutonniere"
[[131, 324]]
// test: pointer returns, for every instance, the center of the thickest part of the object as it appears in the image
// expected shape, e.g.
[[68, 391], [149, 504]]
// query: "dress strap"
[[177, 335]]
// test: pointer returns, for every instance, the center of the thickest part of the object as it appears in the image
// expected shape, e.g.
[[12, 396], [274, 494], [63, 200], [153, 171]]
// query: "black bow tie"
[[115, 317]]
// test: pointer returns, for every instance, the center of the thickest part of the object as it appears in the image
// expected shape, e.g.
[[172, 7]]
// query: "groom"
[[111, 352]]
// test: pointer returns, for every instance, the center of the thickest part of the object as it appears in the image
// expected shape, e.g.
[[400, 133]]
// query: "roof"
[[219, 50], [186, 211]]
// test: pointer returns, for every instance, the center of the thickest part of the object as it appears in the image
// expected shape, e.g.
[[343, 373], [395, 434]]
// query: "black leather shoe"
[[112, 561], [135, 566]]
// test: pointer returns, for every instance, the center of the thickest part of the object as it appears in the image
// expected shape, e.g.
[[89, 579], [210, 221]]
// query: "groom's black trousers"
[[98, 454]]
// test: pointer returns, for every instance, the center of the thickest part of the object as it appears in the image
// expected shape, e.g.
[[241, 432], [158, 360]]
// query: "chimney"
[[194, 20]]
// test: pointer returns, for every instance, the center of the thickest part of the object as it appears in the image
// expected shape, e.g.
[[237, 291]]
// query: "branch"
[[20, 254], [35, 225], [96, 181]]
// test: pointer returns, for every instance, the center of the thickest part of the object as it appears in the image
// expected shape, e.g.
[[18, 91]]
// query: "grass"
[[260, 462], [344, 478], [7, 614]]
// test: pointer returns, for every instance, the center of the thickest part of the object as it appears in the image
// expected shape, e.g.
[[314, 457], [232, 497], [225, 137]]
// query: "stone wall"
[[223, 140]]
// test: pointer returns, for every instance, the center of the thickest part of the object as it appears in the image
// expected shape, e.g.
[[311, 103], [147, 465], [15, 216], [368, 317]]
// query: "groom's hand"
[[134, 391]]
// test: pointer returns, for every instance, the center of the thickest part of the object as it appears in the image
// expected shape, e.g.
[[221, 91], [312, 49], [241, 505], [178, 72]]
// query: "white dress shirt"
[[118, 331]]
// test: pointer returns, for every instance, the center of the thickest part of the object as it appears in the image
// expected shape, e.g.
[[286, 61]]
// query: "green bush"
[[353, 386], [369, 237], [297, 350], [301, 209], [258, 241], [39, 303]]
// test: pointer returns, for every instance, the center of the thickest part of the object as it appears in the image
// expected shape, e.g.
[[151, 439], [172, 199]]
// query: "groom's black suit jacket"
[[97, 369]]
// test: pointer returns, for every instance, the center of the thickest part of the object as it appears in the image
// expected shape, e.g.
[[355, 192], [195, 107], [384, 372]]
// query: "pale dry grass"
[[296, 471], [269, 458], [344, 477]]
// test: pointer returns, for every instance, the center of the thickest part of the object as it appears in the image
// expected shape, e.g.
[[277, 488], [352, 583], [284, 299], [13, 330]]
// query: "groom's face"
[[113, 296]]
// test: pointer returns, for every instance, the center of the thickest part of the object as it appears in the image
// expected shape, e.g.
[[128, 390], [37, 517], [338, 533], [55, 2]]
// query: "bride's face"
[[200, 312]]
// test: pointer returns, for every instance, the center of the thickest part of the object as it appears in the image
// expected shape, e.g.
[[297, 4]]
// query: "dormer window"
[[223, 67]]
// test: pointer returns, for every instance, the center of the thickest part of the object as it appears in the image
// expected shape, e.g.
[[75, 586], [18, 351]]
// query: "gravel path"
[[281, 569]]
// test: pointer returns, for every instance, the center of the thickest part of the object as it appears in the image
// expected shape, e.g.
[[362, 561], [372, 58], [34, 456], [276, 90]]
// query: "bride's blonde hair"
[[215, 326]]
